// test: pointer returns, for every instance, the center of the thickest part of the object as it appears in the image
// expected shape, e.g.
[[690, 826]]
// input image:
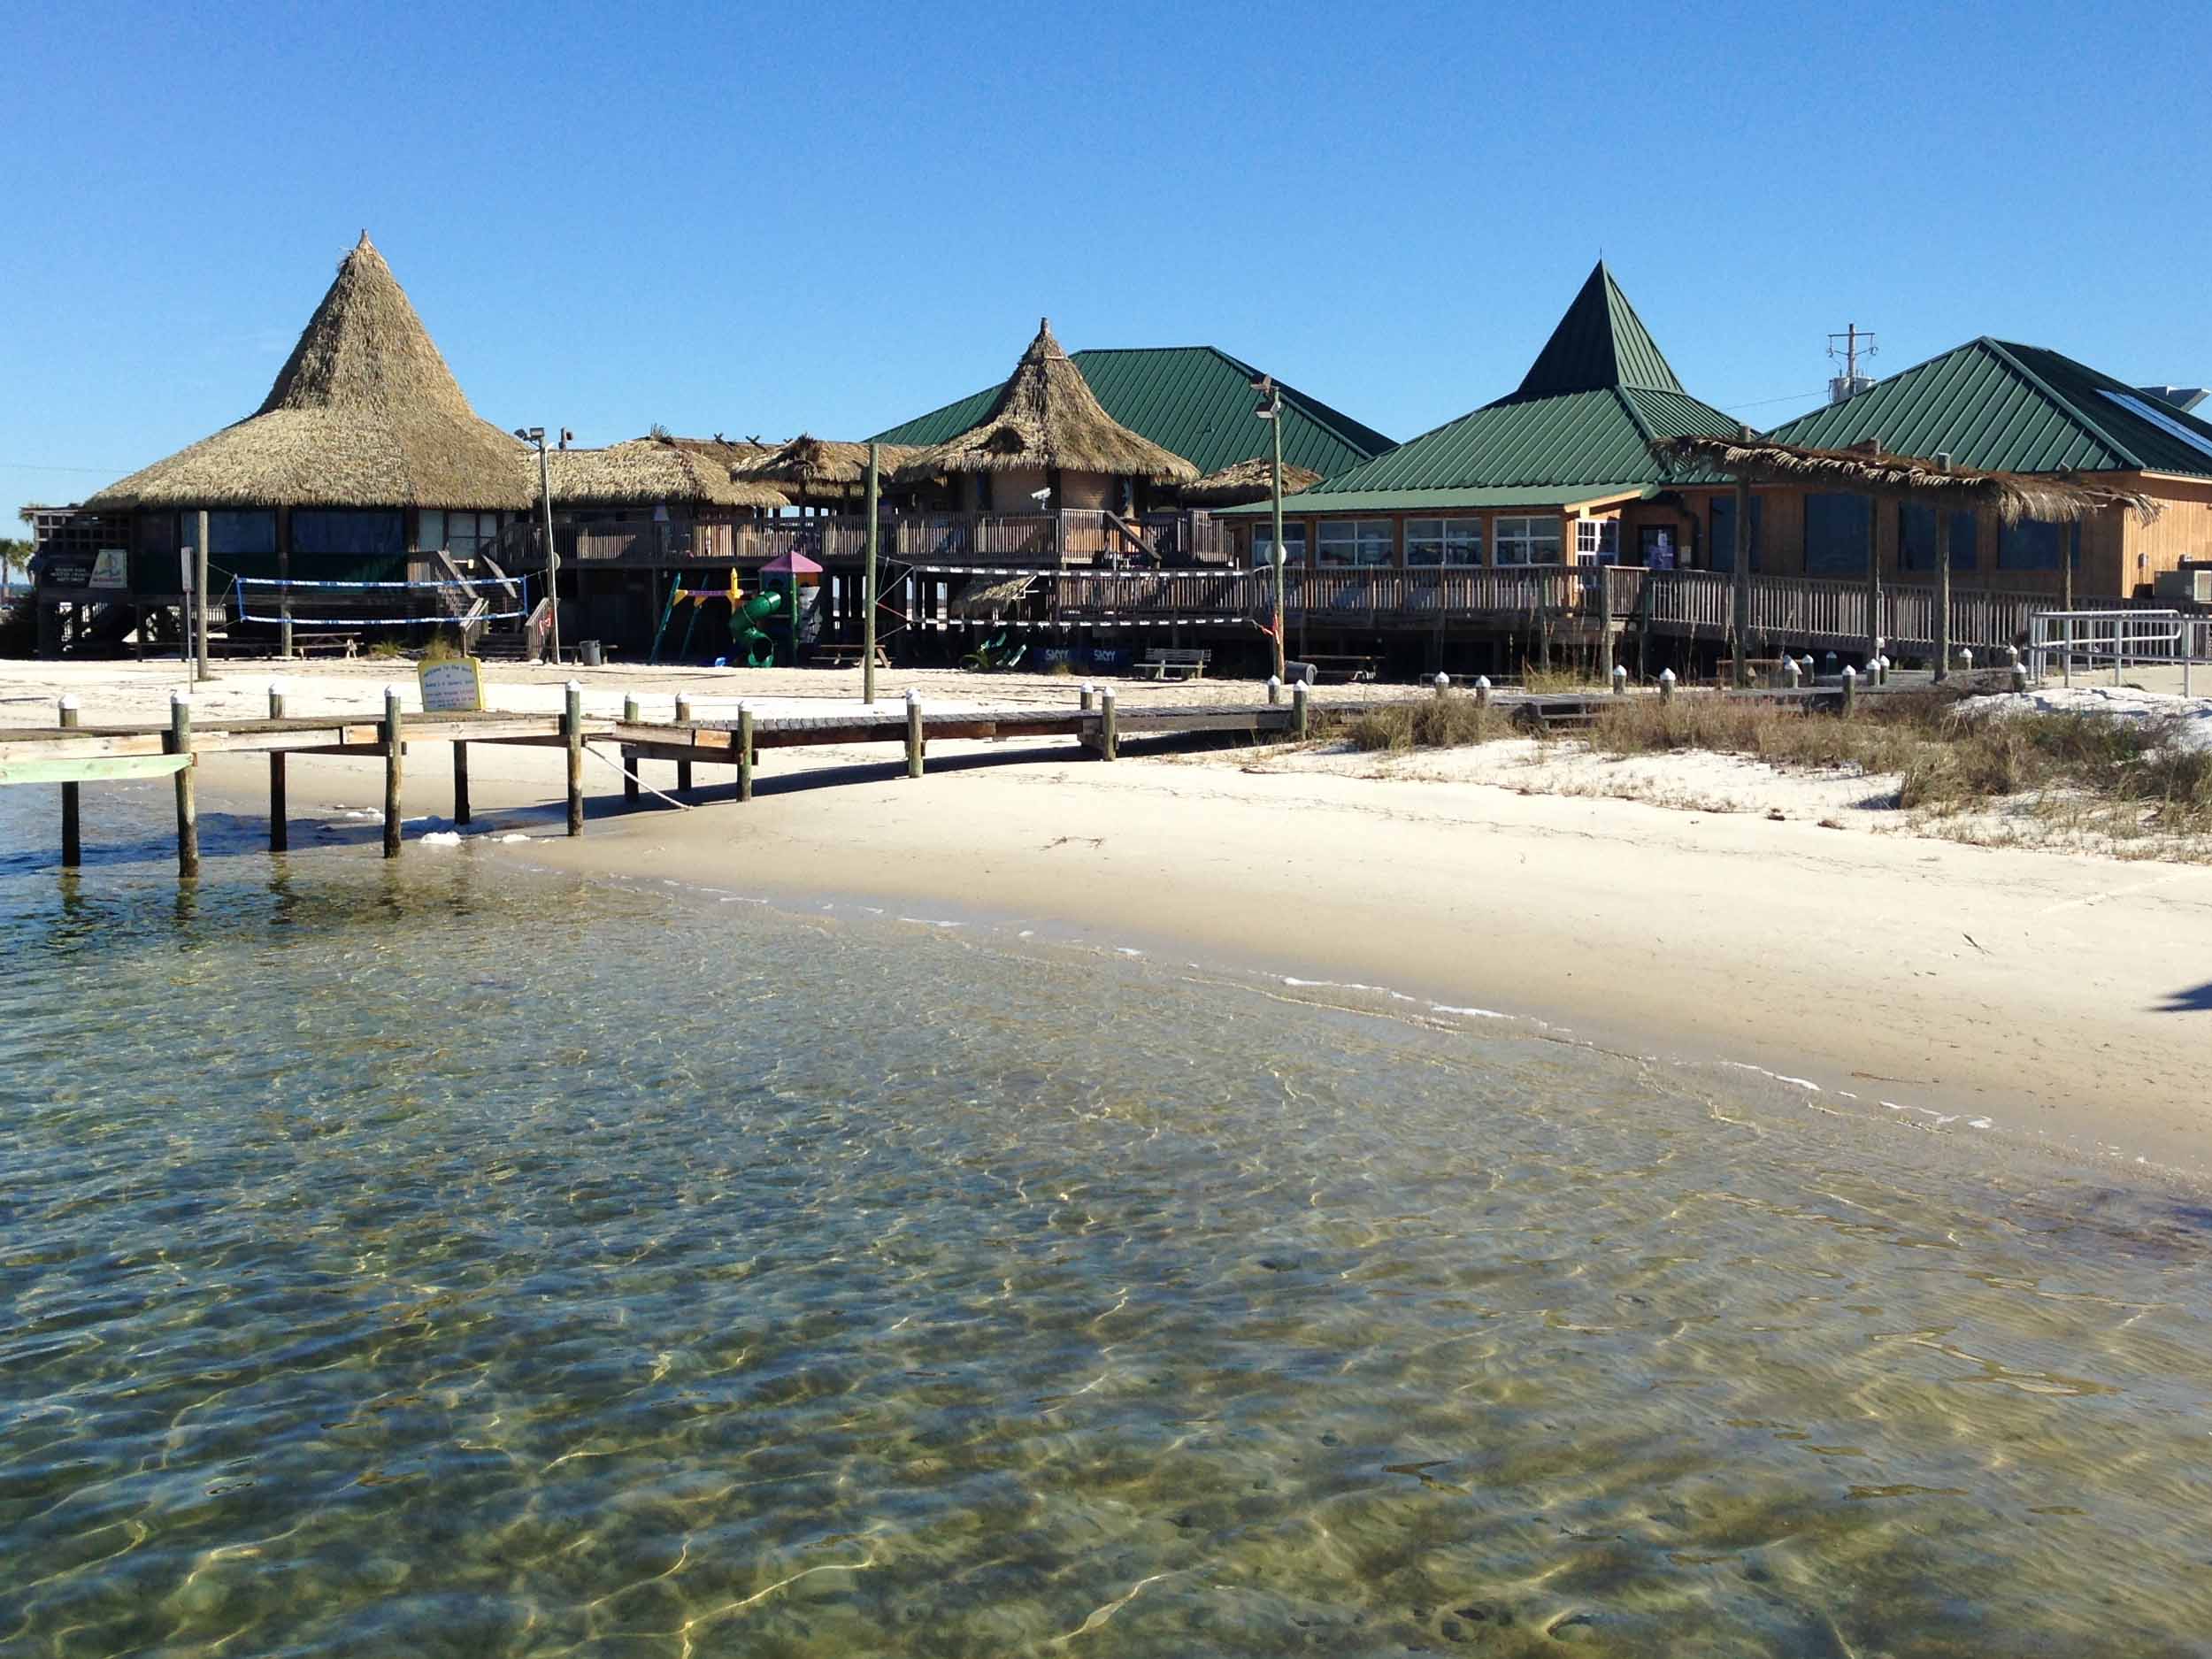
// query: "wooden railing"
[[1532, 591], [1076, 536], [1808, 610]]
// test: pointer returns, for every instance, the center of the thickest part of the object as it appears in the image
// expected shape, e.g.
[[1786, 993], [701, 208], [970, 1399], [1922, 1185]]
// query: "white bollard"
[[1442, 682], [1791, 673], [1620, 680], [1274, 689], [1666, 685], [1482, 690]]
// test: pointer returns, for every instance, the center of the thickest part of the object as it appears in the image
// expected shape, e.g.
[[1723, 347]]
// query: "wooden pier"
[[71, 755]]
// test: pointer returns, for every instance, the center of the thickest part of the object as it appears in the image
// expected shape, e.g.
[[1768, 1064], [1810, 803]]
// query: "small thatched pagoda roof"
[[1045, 416], [1249, 481], [364, 413], [809, 468], [1866, 471], [653, 470]]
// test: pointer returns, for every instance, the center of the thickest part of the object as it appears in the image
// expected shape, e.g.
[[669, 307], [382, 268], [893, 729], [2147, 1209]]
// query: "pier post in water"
[[461, 814], [683, 767], [280, 832], [744, 751], [913, 733], [630, 761], [391, 771], [1109, 736], [1300, 709], [72, 840], [180, 743], [572, 730]]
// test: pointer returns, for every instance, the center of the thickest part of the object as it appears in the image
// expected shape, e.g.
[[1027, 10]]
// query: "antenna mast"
[[1857, 344]]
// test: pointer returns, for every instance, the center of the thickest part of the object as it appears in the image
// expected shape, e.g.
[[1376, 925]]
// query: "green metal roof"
[[1993, 405], [1579, 427], [1601, 343], [1194, 400], [1500, 496]]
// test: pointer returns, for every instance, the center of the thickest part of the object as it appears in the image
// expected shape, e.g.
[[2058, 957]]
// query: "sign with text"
[[454, 686]]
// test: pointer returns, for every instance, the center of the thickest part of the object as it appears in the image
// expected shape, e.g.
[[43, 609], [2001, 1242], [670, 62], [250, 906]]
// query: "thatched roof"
[[1242, 482], [809, 468], [1046, 415], [364, 413], [987, 596], [649, 471], [1866, 471]]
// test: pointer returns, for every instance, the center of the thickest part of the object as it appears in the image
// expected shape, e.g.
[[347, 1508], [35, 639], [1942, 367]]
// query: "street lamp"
[[536, 434], [1271, 409]]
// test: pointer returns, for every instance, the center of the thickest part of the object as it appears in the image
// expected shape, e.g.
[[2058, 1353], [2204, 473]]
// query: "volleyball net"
[[453, 601]]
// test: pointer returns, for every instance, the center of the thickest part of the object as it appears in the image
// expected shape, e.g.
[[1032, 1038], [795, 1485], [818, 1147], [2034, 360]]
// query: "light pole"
[[1271, 409], [536, 434]]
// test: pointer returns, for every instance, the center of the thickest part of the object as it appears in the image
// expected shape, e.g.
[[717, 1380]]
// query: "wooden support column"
[[393, 736], [279, 834], [72, 841], [745, 756], [180, 743], [461, 814], [1943, 592], [683, 767], [572, 729], [1301, 711], [1109, 734], [913, 734], [630, 758], [1873, 580], [1740, 587]]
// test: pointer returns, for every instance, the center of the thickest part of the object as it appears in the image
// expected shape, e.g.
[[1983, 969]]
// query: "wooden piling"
[[683, 767], [1666, 685], [72, 840], [1108, 735], [572, 730], [392, 736], [1300, 709], [630, 761], [461, 814], [1850, 690], [1482, 691], [280, 832], [745, 756], [180, 743], [913, 734]]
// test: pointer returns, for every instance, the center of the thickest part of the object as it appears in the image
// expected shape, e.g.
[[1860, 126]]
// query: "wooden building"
[[364, 454], [1997, 406]]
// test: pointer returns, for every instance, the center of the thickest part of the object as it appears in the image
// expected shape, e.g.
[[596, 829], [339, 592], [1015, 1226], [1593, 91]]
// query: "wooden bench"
[[326, 644], [1161, 663], [849, 656], [1350, 670]]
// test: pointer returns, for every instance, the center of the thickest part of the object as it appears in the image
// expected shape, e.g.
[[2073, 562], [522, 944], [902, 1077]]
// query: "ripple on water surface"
[[452, 1260]]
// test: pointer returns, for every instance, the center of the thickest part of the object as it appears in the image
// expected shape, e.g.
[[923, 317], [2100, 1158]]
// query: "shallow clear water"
[[461, 1259]]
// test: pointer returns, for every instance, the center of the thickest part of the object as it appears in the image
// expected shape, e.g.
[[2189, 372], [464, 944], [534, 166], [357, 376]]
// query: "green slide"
[[746, 631]]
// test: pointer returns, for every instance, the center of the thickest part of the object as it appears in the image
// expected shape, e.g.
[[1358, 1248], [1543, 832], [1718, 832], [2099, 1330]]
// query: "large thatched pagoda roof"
[[654, 470], [364, 413], [1044, 417]]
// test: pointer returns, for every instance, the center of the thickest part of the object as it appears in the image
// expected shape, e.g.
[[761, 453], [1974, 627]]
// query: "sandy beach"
[[1730, 913]]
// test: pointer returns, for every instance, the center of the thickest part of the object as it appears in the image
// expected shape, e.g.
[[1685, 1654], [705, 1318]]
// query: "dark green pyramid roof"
[[1580, 426], [1599, 343]]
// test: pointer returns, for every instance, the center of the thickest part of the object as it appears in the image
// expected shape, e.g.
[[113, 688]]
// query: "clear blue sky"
[[758, 219]]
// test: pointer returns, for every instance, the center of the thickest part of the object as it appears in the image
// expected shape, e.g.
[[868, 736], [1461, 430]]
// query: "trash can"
[[587, 653]]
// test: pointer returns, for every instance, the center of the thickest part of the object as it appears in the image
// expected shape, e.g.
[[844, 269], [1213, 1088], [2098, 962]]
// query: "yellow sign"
[[451, 686]]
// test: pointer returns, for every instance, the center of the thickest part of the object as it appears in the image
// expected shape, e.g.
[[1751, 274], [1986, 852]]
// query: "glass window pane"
[[429, 529], [1463, 541], [1377, 540], [1424, 541], [1337, 542], [2031, 544]]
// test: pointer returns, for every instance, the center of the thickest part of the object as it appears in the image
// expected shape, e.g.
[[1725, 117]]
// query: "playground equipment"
[[745, 618], [995, 654]]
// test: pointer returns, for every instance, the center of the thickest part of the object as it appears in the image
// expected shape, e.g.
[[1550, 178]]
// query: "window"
[[1529, 541], [2034, 544], [229, 533], [462, 534], [1443, 541], [1345, 542], [321, 530], [1836, 525], [1294, 544], [1724, 548], [1915, 537], [1597, 541]]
